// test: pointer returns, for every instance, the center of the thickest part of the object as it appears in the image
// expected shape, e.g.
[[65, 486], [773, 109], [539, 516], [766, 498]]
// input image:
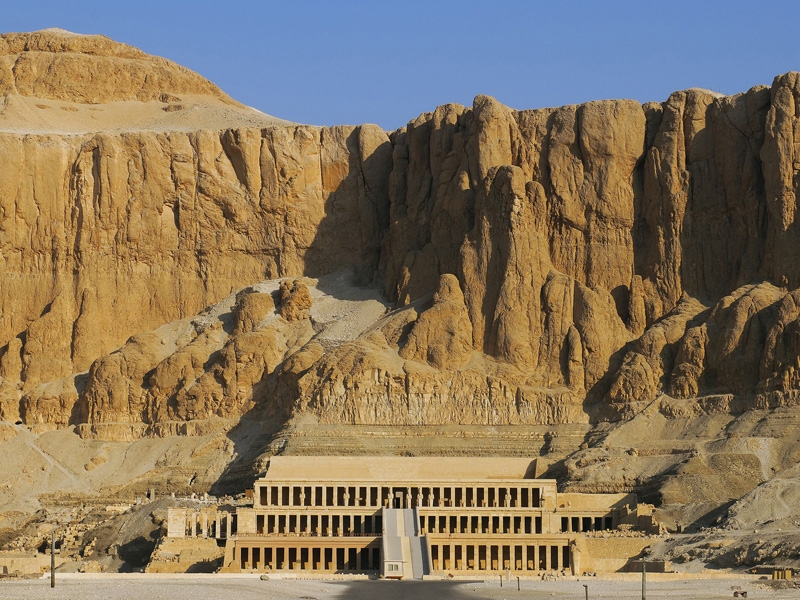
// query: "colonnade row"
[[581, 524], [359, 524], [307, 558], [328, 525], [398, 496], [219, 525], [319, 524], [447, 556], [485, 524], [222, 525], [444, 557]]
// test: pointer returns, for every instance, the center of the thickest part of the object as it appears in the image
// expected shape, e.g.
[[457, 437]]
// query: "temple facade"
[[410, 516]]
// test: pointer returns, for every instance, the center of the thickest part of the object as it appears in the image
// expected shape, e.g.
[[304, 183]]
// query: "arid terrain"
[[189, 286]]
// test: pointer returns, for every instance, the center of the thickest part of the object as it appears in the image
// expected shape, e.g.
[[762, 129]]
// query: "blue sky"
[[386, 61]]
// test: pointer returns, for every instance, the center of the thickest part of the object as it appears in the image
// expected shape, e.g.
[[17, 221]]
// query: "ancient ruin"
[[410, 517]]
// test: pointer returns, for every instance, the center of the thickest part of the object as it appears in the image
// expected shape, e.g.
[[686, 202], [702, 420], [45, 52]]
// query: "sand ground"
[[247, 587]]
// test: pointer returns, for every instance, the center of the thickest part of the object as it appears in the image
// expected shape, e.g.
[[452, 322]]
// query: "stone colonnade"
[[326, 524], [274, 494], [495, 555], [260, 556], [185, 522]]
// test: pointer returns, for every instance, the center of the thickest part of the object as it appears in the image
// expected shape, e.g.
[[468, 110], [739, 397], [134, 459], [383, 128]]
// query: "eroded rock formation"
[[545, 266]]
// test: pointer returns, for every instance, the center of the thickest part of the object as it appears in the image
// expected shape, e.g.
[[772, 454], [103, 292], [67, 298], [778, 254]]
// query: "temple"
[[408, 517]]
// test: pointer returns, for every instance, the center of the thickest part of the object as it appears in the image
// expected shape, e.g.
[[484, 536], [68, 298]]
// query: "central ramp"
[[405, 552]]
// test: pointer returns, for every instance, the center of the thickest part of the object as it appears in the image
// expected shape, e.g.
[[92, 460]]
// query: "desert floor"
[[239, 587]]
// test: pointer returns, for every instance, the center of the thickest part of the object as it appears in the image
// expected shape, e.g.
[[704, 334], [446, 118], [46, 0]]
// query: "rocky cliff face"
[[104, 236], [544, 266]]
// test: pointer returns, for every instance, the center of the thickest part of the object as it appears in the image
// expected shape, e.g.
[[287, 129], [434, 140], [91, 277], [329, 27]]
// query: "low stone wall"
[[22, 563], [185, 555], [607, 555]]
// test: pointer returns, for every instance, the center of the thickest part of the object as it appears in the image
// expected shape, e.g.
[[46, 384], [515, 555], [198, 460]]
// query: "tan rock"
[[295, 300], [637, 313], [635, 380], [640, 379], [397, 325], [780, 364], [690, 363], [571, 252], [10, 395], [120, 216], [442, 335], [115, 391], [47, 352], [367, 383], [576, 375], [302, 360], [602, 332], [737, 329], [252, 309], [11, 361], [61, 65], [175, 376], [558, 296], [51, 405], [781, 163], [131, 253]]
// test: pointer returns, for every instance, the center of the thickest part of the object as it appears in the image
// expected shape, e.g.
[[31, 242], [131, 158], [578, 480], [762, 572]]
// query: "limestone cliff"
[[545, 266]]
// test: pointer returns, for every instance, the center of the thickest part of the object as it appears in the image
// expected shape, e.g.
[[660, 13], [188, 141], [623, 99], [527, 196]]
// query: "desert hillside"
[[612, 287]]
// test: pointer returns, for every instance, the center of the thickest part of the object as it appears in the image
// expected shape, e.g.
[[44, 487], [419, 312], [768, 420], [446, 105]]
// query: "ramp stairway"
[[403, 543]]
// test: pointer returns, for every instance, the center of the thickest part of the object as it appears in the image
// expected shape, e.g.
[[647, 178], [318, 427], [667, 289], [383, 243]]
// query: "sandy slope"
[[25, 115]]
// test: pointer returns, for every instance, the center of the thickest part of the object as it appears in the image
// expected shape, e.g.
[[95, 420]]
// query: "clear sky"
[[329, 62]]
